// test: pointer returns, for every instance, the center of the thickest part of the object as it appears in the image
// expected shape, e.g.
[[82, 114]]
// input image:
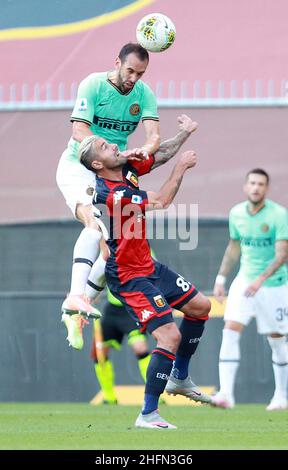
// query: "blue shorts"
[[149, 299]]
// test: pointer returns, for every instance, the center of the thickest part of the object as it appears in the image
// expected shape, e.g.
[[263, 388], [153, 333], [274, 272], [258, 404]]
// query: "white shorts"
[[76, 183], [269, 306]]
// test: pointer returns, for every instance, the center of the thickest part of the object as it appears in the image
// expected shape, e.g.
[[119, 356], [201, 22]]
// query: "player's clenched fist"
[[188, 159], [186, 124]]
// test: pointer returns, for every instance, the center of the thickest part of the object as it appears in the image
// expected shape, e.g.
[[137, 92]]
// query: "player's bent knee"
[[199, 310], [172, 340], [92, 223], [168, 337], [140, 348], [105, 252], [86, 216], [175, 337], [206, 307]]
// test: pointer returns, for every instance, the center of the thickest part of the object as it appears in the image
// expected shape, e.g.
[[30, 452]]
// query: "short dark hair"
[[258, 171], [133, 48]]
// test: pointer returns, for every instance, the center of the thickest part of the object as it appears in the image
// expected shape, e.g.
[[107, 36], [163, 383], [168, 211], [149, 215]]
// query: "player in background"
[[259, 237], [147, 288], [96, 280], [109, 104]]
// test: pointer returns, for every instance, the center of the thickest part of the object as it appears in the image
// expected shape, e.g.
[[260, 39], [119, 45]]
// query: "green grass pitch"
[[82, 426]]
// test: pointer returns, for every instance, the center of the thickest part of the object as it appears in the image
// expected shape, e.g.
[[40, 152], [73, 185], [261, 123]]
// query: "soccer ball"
[[155, 32]]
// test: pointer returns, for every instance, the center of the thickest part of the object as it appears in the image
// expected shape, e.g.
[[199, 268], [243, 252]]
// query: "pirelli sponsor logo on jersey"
[[256, 242], [115, 125]]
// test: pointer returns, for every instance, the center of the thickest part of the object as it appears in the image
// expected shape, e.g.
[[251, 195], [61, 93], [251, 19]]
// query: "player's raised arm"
[[170, 147], [152, 130], [80, 130], [163, 198], [230, 258]]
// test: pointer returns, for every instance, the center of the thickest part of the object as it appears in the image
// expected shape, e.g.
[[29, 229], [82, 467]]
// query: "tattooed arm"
[[170, 147]]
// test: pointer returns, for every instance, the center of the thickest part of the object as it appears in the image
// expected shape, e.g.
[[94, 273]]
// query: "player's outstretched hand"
[[136, 154], [188, 159], [186, 124]]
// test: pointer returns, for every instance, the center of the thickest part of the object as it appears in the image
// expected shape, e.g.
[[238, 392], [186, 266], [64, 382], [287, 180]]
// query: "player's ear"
[[117, 63], [97, 165]]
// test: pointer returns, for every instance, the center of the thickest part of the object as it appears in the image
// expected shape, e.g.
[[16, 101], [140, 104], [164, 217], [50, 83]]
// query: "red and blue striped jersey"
[[125, 203]]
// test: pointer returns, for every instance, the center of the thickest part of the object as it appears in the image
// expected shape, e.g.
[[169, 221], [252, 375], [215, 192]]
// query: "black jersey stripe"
[[150, 118], [80, 120]]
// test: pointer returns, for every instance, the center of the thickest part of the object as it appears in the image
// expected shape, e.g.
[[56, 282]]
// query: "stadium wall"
[[36, 363], [228, 142]]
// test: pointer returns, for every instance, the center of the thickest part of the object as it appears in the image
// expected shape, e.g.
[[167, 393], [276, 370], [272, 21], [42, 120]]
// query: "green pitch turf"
[[82, 426]]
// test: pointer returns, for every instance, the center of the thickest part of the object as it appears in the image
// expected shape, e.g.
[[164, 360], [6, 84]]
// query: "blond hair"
[[85, 151]]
